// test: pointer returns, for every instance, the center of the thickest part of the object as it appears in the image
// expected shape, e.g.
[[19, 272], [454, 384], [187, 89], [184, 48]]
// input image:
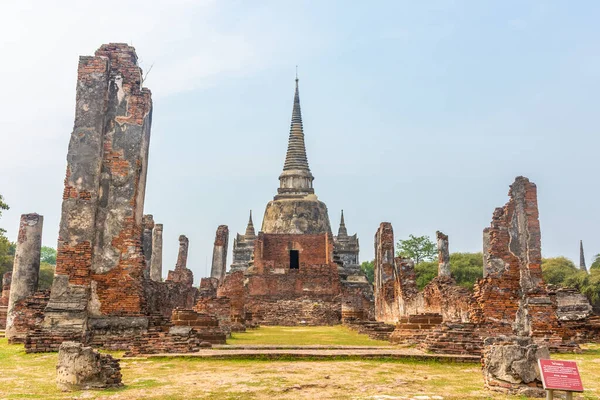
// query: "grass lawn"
[[298, 335], [32, 376]]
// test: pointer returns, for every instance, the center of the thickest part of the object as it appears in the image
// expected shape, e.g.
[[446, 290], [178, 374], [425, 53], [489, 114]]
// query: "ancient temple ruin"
[[294, 270], [108, 288], [510, 299]]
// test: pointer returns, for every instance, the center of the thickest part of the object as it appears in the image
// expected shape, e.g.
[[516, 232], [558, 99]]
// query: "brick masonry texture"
[[102, 293]]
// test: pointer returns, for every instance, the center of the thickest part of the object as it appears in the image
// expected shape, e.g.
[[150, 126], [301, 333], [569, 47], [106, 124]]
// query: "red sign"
[[560, 375]]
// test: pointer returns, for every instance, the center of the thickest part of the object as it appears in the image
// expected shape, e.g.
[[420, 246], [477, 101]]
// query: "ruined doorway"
[[294, 259]]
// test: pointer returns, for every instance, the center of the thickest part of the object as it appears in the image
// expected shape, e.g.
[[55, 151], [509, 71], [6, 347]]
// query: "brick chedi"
[[156, 259], [243, 248], [26, 271], [219, 259], [288, 273]]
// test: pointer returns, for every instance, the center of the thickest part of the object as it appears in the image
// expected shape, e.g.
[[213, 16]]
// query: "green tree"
[[466, 268], [596, 262], [6, 247], [557, 270], [3, 206], [425, 272], [368, 268], [46, 276], [417, 248], [48, 255]]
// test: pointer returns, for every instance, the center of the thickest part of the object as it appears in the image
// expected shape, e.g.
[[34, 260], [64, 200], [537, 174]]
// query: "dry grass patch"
[[25, 376]]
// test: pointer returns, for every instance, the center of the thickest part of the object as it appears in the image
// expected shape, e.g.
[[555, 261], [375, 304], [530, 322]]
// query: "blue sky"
[[417, 113]]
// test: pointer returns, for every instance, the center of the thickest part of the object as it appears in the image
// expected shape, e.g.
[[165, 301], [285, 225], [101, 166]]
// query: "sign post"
[[560, 375]]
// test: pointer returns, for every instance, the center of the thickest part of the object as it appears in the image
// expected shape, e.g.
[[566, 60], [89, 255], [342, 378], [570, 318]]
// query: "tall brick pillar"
[[181, 273], [156, 259], [26, 268], [100, 262], [148, 226], [386, 305], [443, 254], [219, 259]]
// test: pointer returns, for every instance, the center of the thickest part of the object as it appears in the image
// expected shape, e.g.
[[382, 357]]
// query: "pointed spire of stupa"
[[295, 157], [581, 257], [296, 179], [342, 230], [250, 233]]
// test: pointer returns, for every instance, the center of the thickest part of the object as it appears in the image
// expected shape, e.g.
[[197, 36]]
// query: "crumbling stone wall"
[[82, 368], [27, 315], [26, 270], [186, 332], [219, 259], [100, 262]]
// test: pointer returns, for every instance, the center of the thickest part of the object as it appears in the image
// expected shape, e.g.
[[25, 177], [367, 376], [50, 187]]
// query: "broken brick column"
[[26, 267], [6, 280], [182, 274], [443, 254], [148, 226], [386, 303], [100, 263], [512, 298], [219, 260], [156, 259]]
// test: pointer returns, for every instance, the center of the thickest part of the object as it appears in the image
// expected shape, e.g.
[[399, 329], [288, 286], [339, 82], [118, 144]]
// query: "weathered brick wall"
[[358, 302], [443, 296], [233, 288], [306, 310], [28, 315], [273, 250], [164, 297]]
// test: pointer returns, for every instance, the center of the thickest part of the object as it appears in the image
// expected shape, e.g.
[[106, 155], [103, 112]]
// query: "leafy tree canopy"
[[596, 262], [556, 270], [48, 255], [46, 276], [368, 268], [465, 268], [417, 248]]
